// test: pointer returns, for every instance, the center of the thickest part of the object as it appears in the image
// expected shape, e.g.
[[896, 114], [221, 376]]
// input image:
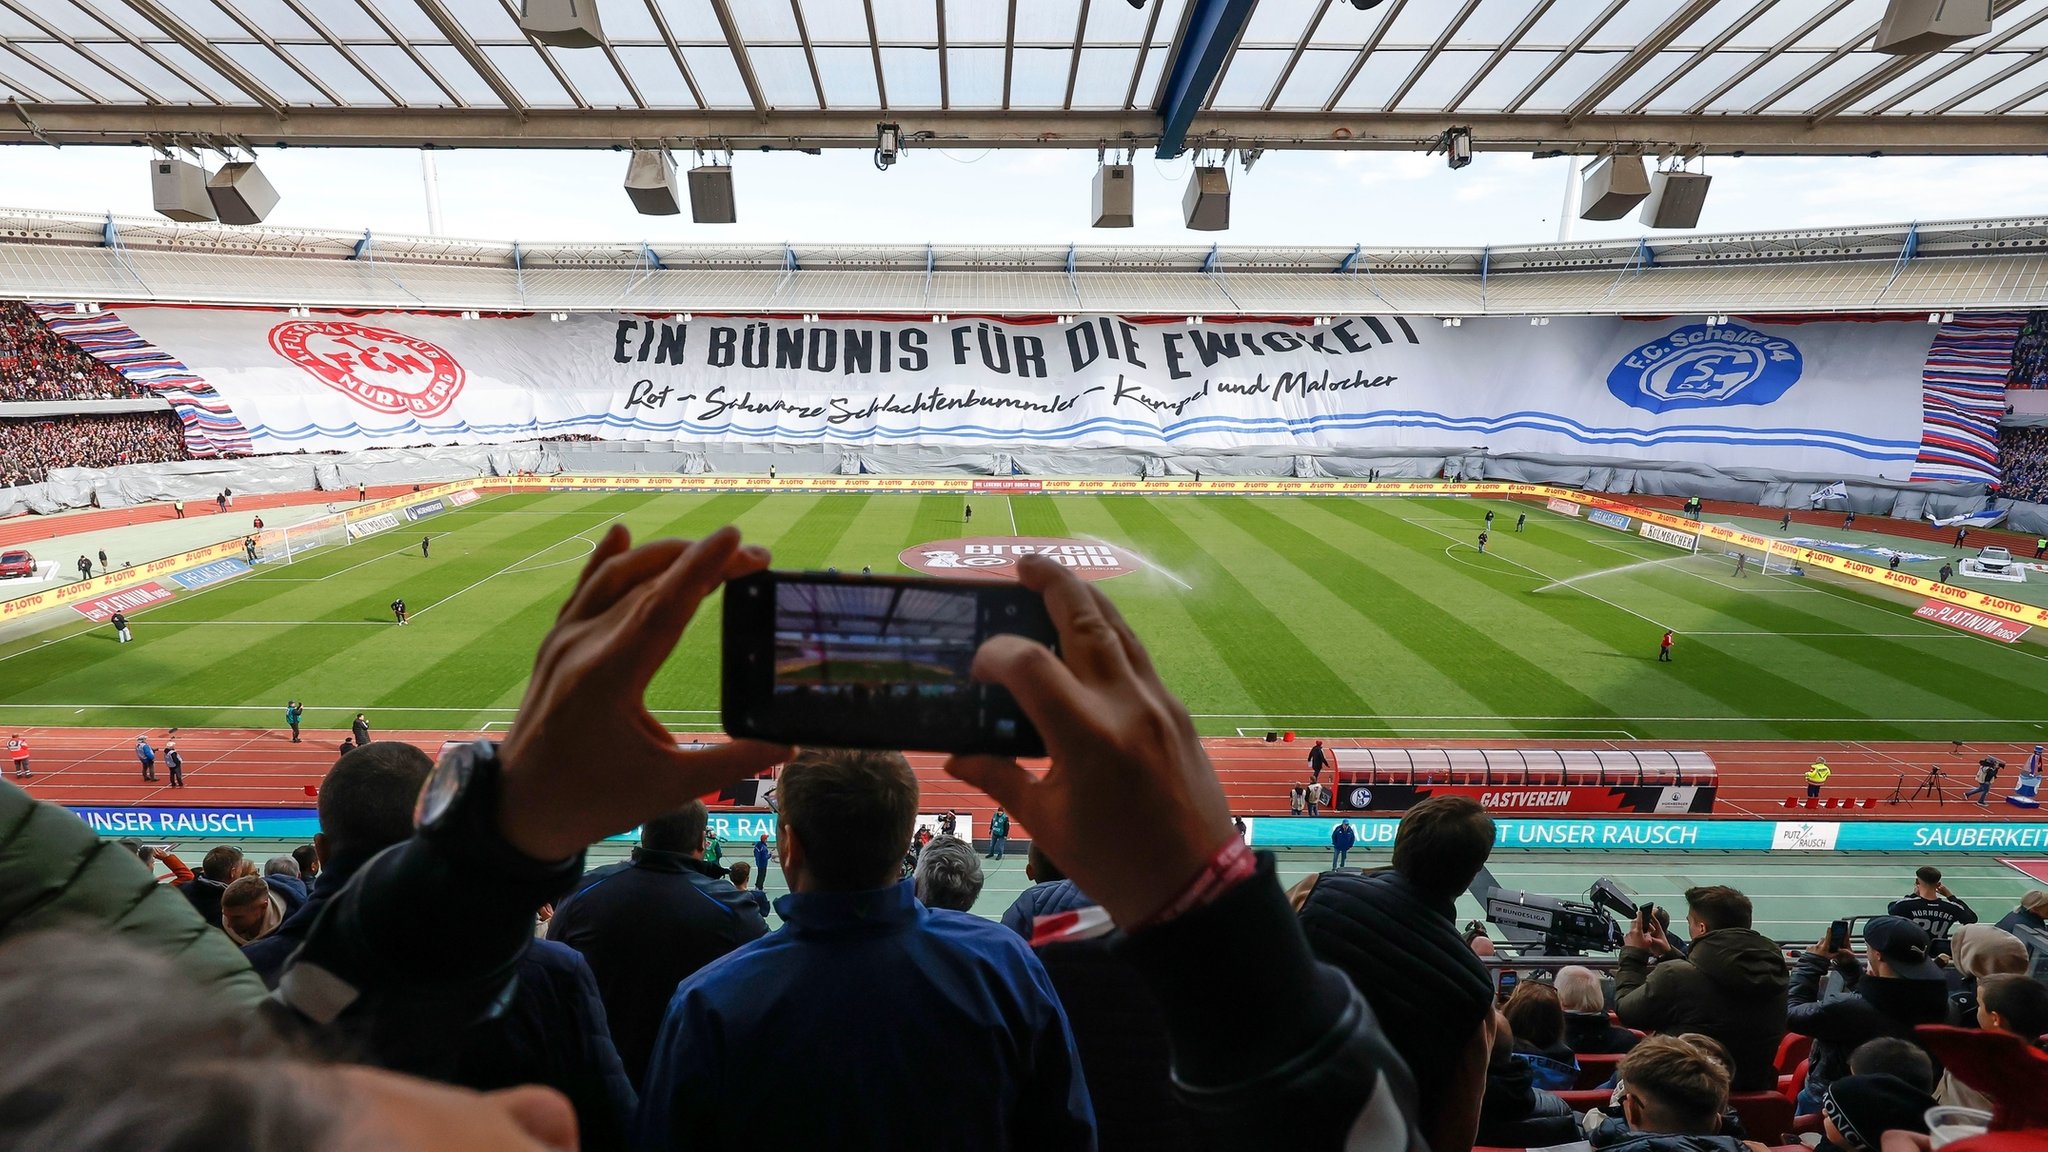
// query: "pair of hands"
[[1645, 933], [586, 760]]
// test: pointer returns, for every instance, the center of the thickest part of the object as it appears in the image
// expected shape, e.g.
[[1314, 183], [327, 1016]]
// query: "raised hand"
[[1130, 809], [585, 759]]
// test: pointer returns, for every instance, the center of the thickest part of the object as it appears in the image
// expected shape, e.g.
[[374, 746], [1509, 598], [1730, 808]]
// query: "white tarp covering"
[[1835, 398]]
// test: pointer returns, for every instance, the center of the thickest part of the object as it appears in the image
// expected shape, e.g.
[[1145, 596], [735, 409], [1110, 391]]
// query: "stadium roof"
[[1667, 76], [1980, 264]]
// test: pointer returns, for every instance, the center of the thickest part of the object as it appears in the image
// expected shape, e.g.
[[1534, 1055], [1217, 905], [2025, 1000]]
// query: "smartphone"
[[1504, 984], [1646, 914], [1838, 935], [829, 659]]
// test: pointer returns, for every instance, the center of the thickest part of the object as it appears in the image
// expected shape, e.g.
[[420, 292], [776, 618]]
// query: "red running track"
[[262, 768], [28, 528]]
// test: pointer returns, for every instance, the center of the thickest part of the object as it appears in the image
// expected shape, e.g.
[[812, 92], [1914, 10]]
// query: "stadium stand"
[[2023, 462], [31, 447], [37, 364]]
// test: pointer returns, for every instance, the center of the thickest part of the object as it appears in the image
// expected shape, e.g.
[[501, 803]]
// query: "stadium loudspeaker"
[[1913, 26], [651, 183], [179, 191], [1206, 205], [1615, 185], [241, 194], [711, 199], [562, 23], [1111, 200], [1676, 199]]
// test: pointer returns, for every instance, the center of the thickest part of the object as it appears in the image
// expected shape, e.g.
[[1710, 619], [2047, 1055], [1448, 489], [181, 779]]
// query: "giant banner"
[[1835, 398]]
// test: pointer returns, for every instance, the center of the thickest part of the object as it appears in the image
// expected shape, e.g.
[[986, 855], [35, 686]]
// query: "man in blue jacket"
[[1342, 837], [646, 924], [1050, 892], [863, 977], [762, 855], [552, 1031]]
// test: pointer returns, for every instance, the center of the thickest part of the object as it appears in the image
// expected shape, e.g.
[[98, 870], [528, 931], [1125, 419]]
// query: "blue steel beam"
[[1212, 27]]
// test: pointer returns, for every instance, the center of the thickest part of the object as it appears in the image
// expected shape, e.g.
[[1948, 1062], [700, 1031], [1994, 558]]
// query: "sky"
[[1036, 197]]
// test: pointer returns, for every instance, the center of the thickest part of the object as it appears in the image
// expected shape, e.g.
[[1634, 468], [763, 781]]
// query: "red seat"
[[1792, 1051], [1766, 1116], [1790, 1084], [1583, 1098], [1597, 1068]]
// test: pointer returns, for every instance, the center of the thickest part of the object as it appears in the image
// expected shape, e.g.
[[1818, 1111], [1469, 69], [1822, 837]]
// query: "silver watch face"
[[443, 785]]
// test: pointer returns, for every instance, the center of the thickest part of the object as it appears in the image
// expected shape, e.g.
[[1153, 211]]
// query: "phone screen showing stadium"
[[873, 661]]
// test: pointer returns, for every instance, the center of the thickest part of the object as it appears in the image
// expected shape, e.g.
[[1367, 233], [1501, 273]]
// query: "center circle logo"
[[1706, 366], [995, 557], [378, 368]]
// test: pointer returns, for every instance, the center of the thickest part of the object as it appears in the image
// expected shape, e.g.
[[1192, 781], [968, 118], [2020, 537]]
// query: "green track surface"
[[1329, 615]]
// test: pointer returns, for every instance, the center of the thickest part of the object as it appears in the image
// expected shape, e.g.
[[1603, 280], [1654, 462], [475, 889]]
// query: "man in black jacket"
[[1395, 933], [647, 923], [1730, 985], [552, 1031], [1933, 908], [1903, 988]]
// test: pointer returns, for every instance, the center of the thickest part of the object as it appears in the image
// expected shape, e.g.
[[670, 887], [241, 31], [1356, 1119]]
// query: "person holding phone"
[[1730, 985]]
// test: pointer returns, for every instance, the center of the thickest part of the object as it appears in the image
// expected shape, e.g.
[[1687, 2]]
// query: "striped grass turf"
[[1328, 615]]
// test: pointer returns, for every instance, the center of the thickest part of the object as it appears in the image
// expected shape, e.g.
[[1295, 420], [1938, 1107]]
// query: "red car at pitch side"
[[16, 562]]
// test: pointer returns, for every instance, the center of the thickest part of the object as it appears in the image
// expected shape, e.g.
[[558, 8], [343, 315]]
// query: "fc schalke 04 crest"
[[1706, 366]]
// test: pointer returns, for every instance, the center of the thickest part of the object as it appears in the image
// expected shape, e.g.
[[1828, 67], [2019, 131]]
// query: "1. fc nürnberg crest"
[[376, 367]]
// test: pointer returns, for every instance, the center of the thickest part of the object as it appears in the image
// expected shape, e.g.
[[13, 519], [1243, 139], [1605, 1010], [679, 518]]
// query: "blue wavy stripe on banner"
[[1863, 447]]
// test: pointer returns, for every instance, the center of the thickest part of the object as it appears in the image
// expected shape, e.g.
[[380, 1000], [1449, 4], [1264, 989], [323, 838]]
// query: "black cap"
[[1904, 947]]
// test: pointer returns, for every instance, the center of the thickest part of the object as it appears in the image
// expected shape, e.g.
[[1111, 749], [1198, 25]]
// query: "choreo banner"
[[1838, 398]]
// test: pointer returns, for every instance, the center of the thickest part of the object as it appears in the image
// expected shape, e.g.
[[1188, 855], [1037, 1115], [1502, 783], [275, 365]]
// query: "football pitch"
[[1333, 616]]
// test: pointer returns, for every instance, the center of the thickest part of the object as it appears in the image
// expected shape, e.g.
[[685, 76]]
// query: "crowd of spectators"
[[2023, 463], [1154, 989], [2030, 354], [38, 364], [31, 447]]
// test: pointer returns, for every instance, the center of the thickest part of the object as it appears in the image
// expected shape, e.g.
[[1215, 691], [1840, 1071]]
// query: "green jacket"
[[55, 873], [1730, 985]]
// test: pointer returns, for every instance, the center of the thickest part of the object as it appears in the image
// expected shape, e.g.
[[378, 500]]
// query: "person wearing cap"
[[2031, 914], [1903, 988], [1859, 1110], [1934, 908]]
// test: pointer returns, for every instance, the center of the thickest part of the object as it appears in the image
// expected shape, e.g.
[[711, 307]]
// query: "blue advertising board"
[[211, 573], [1614, 520], [425, 509], [155, 825], [1573, 835]]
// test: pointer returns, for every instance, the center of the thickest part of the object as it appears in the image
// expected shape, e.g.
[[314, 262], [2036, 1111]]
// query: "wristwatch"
[[458, 811]]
